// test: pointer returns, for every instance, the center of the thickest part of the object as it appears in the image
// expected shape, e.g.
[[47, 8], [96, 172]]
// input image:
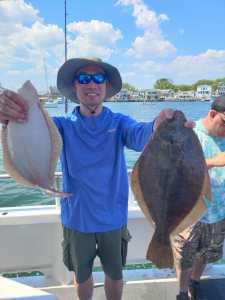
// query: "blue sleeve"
[[136, 134]]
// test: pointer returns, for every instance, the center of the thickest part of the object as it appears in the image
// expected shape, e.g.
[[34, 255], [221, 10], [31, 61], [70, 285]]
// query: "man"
[[203, 242], [94, 171]]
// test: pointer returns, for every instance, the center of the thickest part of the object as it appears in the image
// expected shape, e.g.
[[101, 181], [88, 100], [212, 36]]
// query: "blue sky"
[[146, 39]]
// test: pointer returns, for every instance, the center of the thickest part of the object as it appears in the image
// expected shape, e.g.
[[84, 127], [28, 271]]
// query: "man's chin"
[[94, 102]]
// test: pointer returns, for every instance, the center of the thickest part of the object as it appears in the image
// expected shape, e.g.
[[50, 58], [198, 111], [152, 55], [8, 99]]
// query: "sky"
[[182, 40]]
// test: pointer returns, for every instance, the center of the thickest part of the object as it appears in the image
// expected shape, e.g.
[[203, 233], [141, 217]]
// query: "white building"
[[151, 94], [166, 94], [187, 95], [123, 95], [204, 92], [221, 89]]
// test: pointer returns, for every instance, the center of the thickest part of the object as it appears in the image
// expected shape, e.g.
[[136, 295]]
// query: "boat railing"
[[58, 178], [31, 238]]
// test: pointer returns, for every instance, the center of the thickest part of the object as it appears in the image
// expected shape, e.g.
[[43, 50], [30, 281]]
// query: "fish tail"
[[160, 253]]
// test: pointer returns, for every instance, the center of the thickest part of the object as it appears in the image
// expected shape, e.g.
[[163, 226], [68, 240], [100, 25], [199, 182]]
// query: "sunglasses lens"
[[84, 78], [98, 78]]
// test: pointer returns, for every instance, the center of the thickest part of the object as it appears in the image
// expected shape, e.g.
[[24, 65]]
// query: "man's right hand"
[[12, 107]]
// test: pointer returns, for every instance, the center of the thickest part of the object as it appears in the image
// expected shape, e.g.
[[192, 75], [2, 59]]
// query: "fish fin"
[[159, 253], [135, 185], [198, 210]]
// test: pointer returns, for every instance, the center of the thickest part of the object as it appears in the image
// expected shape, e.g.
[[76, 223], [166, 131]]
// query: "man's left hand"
[[168, 114]]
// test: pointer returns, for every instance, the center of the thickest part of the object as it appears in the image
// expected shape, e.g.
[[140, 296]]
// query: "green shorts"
[[200, 240], [80, 250]]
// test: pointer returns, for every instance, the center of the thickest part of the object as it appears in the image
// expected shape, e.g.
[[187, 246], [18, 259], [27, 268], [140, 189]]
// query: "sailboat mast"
[[46, 77], [65, 44]]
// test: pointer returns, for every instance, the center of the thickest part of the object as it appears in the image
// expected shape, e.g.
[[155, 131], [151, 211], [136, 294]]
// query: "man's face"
[[92, 93], [217, 123]]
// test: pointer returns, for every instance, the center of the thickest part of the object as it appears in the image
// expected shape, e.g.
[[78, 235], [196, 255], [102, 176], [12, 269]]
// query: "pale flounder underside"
[[163, 179], [31, 149]]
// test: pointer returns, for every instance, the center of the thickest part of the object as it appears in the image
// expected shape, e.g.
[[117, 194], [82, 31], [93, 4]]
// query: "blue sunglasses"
[[84, 78]]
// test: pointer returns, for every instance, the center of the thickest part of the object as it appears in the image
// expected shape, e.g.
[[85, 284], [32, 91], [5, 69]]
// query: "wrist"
[[209, 163]]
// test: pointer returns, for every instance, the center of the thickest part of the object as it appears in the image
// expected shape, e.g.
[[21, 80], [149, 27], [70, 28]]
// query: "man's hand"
[[216, 161], [168, 114], [12, 107]]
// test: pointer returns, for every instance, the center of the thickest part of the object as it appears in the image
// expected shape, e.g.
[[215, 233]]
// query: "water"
[[12, 194]]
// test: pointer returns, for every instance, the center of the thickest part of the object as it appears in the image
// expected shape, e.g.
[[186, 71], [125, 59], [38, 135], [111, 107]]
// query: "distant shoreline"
[[169, 100]]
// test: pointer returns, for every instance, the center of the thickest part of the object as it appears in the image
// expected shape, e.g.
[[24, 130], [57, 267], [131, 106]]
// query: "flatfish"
[[170, 181], [31, 149]]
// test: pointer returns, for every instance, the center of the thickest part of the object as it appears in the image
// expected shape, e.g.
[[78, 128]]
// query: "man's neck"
[[90, 110]]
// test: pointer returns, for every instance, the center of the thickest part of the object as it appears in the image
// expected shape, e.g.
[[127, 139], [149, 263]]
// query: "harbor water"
[[12, 194]]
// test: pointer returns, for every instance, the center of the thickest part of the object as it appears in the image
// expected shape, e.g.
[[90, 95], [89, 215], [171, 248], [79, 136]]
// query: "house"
[[151, 95], [123, 95], [221, 89], [204, 92], [185, 95]]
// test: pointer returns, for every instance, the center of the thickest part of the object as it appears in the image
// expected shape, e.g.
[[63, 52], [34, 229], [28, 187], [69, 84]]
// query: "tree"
[[183, 87], [128, 87], [200, 82], [164, 84]]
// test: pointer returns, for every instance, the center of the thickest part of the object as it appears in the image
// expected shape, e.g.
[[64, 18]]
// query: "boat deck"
[[149, 284], [213, 289]]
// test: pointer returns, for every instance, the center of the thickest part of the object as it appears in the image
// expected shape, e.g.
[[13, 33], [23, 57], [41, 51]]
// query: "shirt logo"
[[112, 130]]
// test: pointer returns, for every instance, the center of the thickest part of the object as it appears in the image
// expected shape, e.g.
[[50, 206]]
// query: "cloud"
[[152, 43], [93, 38], [17, 11], [26, 41], [209, 65], [182, 70], [24, 38]]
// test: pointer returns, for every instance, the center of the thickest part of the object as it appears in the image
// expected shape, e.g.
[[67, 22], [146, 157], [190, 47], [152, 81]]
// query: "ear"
[[212, 113]]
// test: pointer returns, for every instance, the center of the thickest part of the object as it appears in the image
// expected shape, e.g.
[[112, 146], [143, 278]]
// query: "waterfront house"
[[123, 95], [137, 95], [204, 92], [151, 95], [221, 89], [166, 94], [184, 95]]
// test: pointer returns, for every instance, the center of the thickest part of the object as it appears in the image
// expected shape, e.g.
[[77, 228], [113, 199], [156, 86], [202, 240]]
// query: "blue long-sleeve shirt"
[[94, 168]]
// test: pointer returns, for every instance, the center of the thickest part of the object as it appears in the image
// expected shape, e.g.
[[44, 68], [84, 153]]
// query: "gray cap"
[[219, 104], [67, 72]]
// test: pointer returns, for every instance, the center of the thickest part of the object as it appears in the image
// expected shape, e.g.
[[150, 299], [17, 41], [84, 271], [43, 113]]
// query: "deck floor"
[[213, 289]]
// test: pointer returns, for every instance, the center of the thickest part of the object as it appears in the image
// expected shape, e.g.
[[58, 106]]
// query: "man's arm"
[[216, 161]]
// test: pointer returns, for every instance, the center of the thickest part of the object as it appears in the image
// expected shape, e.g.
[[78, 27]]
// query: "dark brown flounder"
[[169, 181]]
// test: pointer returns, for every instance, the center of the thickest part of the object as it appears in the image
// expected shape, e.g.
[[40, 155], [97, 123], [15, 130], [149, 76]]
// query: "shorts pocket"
[[126, 237], [67, 256]]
